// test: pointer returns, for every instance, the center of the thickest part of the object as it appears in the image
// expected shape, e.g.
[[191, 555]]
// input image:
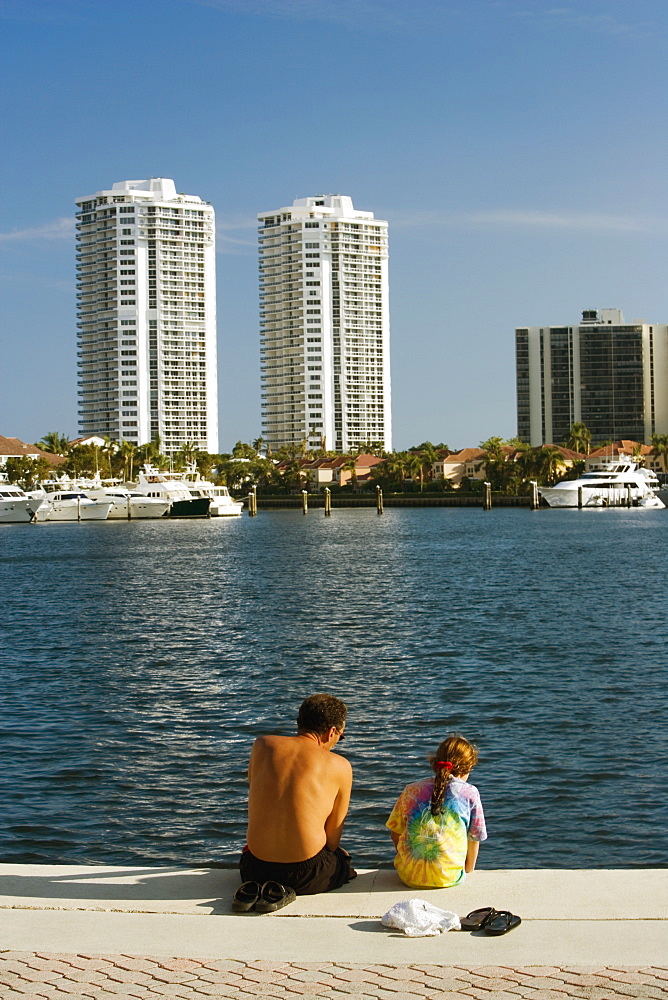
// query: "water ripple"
[[139, 662]]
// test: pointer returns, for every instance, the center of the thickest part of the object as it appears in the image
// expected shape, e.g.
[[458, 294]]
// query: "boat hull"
[[16, 511], [139, 509], [225, 510], [70, 510], [190, 508], [591, 497]]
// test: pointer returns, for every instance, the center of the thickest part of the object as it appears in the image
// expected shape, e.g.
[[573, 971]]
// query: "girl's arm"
[[471, 855]]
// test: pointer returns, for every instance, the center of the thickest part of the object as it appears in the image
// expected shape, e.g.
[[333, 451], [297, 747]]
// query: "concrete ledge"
[[569, 917]]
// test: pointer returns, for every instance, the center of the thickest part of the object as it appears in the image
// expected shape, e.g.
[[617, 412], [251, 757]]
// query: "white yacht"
[[72, 505], [166, 486], [222, 504], [620, 483], [15, 504], [126, 504]]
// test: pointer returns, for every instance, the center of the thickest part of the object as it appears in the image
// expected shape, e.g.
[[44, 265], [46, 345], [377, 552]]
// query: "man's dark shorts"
[[326, 870]]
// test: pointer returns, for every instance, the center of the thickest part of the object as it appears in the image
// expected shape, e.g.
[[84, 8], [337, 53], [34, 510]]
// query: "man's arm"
[[336, 819]]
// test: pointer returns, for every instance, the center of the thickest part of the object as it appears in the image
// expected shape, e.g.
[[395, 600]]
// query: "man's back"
[[298, 798]]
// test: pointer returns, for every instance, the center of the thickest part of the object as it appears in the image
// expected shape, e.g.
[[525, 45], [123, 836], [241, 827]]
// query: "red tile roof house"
[[11, 447], [323, 472], [610, 452], [467, 462], [471, 462], [363, 466]]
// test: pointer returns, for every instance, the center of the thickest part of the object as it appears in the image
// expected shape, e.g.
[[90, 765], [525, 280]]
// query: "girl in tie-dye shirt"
[[438, 824]]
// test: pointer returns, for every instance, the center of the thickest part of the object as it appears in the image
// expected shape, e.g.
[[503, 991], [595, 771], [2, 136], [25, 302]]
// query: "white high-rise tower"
[[146, 315], [325, 325]]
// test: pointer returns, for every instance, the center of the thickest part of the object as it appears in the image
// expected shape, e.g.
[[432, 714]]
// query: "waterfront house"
[[12, 447]]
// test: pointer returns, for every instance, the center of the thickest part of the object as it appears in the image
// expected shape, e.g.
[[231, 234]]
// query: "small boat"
[[165, 486], [222, 504], [16, 506], [126, 504], [622, 483], [72, 505]]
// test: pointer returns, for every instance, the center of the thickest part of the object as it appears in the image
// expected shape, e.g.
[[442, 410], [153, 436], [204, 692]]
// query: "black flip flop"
[[477, 919], [274, 897], [246, 897], [502, 922]]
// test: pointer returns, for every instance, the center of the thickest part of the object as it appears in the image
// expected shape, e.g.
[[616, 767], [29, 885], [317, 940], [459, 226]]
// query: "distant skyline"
[[517, 149]]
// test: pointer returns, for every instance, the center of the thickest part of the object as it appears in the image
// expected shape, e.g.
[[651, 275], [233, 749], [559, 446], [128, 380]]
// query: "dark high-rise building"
[[605, 373]]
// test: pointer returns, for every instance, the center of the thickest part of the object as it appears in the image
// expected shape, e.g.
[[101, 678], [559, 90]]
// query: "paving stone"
[[94, 964], [175, 978], [215, 990], [544, 994], [44, 963], [256, 976], [325, 976], [353, 975], [270, 966], [444, 985], [544, 983], [169, 989], [293, 988], [493, 971], [487, 983], [179, 964], [450, 995], [222, 965], [306, 966], [406, 973], [208, 976]]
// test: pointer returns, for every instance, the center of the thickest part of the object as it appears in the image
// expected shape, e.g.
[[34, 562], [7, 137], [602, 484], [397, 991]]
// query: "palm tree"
[[660, 449], [428, 455], [259, 444], [495, 461], [108, 448], [350, 465], [579, 438], [128, 453], [395, 467], [414, 468], [551, 461], [188, 453], [55, 443]]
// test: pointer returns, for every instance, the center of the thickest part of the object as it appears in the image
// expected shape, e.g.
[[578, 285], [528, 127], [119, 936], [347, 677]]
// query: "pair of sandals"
[[490, 921], [262, 898]]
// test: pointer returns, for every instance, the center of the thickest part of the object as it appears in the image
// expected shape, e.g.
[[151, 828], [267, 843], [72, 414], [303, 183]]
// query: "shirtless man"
[[297, 803]]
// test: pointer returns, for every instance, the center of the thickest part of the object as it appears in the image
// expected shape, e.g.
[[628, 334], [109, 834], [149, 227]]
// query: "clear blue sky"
[[517, 148]]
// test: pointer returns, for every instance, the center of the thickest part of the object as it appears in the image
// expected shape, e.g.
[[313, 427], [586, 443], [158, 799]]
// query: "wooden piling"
[[535, 503], [305, 501], [252, 502], [379, 500], [487, 501], [579, 498], [328, 502], [628, 496]]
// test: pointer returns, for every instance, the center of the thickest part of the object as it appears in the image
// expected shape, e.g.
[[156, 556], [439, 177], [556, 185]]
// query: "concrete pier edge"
[[569, 917]]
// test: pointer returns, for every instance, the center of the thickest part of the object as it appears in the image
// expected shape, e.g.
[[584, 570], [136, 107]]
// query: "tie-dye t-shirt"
[[431, 851]]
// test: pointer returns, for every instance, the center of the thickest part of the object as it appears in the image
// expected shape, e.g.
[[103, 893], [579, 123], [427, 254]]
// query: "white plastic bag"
[[417, 918]]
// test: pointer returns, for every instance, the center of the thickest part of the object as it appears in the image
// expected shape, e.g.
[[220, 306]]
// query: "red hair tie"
[[440, 764]]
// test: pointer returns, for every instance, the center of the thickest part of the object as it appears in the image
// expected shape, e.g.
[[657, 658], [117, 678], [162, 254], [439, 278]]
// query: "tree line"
[[509, 465]]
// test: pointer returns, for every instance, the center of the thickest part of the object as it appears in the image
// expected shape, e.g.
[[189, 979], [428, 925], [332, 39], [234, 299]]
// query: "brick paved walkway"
[[36, 974]]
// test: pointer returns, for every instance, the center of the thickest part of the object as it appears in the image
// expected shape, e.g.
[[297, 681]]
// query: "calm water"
[[139, 661]]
